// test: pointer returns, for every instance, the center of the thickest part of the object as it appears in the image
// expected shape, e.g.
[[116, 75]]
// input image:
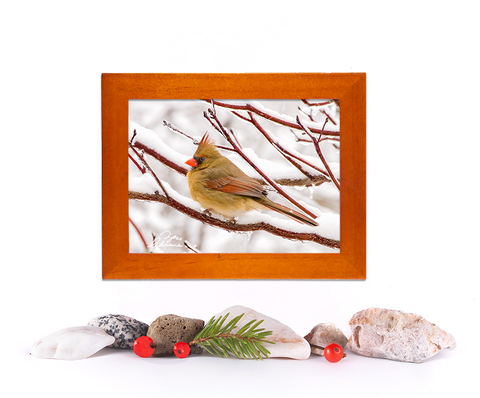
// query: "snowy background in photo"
[[171, 228]]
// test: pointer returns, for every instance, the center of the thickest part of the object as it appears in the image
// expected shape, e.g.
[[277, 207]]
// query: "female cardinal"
[[220, 186]]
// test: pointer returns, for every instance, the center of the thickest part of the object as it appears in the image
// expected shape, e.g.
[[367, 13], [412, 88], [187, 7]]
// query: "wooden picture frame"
[[118, 263]]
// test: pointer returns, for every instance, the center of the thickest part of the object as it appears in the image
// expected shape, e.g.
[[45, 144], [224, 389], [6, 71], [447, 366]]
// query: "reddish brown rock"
[[396, 335]]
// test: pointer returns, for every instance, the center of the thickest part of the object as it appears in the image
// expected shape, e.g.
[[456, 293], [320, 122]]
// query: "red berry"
[[333, 352], [181, 349], [144, 346]]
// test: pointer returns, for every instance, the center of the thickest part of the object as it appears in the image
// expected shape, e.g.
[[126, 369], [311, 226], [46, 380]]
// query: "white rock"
[[396, 335], [72, 343], [288, 344]]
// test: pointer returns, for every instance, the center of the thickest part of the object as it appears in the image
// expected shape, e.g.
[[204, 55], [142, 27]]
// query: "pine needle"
[[222, 341]]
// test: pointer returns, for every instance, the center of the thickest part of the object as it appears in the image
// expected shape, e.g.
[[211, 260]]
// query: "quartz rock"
[[72, 343], [396, 335], [167, 330], [324, 334], [125, 329], [288, 344]]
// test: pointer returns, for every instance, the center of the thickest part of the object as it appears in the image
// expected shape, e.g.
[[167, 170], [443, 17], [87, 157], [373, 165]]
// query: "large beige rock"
[[396, 335]]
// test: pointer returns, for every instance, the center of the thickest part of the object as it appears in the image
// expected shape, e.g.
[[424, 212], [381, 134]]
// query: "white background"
[[422, 65]]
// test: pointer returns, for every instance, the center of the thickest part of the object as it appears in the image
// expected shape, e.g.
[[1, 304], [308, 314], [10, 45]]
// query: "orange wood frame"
[[118, 89]]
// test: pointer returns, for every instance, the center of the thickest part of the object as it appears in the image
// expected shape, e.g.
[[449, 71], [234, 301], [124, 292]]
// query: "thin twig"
[[195, 141], [219, 127], [139, 233], [190, 247], [328, 116], [142, 169], [133, 136], [319, 152], [317, 103], [233, 226], [175, 129], [309, 115]]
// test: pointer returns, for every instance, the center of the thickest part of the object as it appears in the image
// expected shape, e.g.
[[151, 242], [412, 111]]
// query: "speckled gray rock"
[[125, 329], [396, 335], [167, 330], [324, 334]]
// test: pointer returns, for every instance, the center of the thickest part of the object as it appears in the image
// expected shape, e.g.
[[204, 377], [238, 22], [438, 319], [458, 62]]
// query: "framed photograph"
[[234, 176]]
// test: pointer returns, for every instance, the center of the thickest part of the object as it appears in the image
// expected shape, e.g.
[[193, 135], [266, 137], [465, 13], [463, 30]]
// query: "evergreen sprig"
[[247, 342]]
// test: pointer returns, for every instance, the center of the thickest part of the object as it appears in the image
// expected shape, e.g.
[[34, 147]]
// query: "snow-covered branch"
[[232, 225]]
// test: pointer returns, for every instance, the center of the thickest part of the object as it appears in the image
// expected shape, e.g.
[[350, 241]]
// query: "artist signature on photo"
[[166, 239]]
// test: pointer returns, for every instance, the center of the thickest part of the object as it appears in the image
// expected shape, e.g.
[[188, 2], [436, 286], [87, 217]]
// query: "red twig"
[[328, 116], [317, 103], [319, 152], [142, 169], [139, 233], [219, 127]]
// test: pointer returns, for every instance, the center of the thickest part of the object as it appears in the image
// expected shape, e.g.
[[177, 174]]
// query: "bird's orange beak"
[[192, 162]]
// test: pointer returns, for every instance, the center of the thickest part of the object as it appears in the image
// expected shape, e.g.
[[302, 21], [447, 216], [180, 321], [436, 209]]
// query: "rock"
[[125, 329], [288, 344], [396, 335], [324, 334], [72, 343], [167, 330]]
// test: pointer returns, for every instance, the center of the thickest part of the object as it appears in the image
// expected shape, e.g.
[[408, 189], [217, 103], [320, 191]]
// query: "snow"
[[156, 219], [153, 140], [144, 184]]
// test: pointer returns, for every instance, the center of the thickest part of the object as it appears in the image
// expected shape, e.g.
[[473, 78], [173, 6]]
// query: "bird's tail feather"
[[294, 215]]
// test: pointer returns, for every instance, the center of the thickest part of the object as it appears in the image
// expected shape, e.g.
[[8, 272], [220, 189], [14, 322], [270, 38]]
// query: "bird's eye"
[[199, 160]]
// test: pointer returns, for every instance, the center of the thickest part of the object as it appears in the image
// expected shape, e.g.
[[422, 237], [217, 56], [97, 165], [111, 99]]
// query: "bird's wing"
[[245, 186]]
